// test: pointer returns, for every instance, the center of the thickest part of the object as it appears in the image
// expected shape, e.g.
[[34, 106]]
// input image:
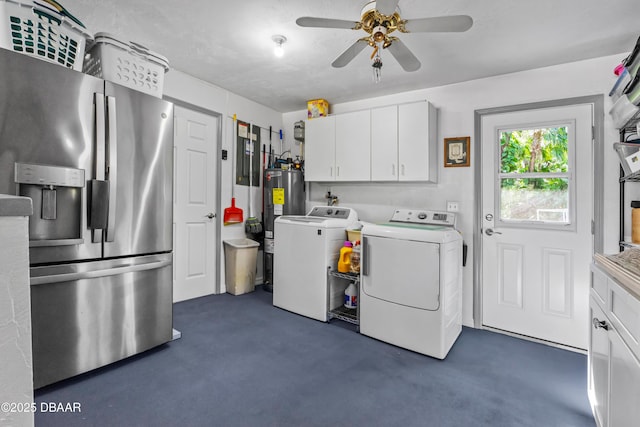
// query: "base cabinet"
[[614, 359]]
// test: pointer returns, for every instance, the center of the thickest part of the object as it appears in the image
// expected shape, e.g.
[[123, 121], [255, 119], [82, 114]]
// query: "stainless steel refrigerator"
[[96, 158]]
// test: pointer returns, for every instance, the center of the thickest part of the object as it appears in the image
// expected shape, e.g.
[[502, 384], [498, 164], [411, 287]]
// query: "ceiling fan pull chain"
[[375, 50]]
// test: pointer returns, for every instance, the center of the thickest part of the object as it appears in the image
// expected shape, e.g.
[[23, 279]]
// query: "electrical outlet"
[[453, 207]]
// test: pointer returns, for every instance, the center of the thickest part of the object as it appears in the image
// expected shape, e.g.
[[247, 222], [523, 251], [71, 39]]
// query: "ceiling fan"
[[381, 18]]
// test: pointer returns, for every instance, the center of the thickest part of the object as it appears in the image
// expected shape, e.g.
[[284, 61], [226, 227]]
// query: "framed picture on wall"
[[457, 151]]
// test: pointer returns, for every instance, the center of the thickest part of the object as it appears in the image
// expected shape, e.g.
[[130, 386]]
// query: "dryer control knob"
[[422, 215]]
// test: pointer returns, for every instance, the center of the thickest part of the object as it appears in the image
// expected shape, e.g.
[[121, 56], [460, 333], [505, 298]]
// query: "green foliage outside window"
[[534, 151]]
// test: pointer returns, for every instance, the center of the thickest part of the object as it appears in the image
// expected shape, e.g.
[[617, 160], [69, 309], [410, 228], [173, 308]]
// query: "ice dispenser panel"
[[56, 193]]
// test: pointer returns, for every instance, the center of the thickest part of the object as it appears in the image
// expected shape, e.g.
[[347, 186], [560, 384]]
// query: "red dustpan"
[[233, 215]]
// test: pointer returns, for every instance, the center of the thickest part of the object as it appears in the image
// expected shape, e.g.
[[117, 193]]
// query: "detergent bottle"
[[355, 258], [344, 261], [351, 296]]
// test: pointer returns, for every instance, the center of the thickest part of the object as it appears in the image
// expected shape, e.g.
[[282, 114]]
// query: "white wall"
[[187, 89], [457, 103]]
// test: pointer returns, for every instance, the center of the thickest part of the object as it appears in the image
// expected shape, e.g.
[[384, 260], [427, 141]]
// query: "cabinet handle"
[[331, 171], [402, 169], [597, 323], [393, 169], [337, 170]]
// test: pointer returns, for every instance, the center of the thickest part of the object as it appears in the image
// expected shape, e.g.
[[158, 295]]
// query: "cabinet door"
[[319, 158], [624, 410], [384, 143], [599, 365], [353, 146], [417, 145]]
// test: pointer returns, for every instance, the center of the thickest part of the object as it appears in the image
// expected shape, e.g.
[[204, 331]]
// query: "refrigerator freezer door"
[[47, 124], [87, 315], [139, 169]]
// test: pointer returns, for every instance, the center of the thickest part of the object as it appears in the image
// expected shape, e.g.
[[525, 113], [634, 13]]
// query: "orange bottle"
[[344, 261]]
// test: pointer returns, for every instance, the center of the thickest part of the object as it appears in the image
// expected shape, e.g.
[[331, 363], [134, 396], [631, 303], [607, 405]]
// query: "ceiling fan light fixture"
[[379, 33], [380, 19], [279, 40]]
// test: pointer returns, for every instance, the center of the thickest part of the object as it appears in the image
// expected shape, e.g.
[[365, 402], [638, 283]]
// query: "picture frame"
[[457, 152]]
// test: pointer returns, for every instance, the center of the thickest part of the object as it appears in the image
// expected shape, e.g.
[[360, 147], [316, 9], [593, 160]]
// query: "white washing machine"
[[411, 284], [304, 248]]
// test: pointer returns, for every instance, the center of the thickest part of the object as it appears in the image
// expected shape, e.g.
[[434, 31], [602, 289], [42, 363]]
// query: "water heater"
[[283, 195]]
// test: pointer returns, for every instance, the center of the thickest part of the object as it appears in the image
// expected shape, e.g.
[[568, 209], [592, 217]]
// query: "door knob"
[[211, 215], [490, 232], [597, 323]]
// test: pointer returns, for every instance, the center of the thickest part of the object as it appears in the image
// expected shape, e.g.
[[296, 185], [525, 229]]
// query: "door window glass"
[[535, 183]]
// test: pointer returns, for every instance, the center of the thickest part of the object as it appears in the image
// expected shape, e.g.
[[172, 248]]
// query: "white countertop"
[[623, 269], [15, 205]]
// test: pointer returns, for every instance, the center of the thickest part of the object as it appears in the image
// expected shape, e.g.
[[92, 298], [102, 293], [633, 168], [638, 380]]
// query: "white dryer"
[[304, 248], [411, 284]]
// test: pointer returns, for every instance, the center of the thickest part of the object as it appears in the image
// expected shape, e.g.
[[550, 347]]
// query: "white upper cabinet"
[[320, 149], [393, 143], [417, 145], [384, 143], [353, 146]]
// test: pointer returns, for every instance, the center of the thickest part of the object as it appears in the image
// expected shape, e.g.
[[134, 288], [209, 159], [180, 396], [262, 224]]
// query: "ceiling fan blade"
[[348, 55], [445, 24], [307, 21], [386, 7], [403, 55]]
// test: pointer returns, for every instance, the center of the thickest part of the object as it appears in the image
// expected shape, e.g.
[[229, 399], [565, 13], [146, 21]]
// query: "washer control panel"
[[333, 212], [416, 216]]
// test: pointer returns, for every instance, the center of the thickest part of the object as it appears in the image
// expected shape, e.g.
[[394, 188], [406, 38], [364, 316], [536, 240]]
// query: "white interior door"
[[537, 209], [194, 212]]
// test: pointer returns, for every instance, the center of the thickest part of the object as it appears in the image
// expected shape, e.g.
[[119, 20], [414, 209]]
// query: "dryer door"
[[403, 272]]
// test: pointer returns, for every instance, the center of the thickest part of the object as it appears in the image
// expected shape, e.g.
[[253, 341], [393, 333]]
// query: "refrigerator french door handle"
[[70, 277], [100, 137], [112, 165], [97, 199]]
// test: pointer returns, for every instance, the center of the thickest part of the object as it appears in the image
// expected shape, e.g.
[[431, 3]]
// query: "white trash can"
[[240, 257]]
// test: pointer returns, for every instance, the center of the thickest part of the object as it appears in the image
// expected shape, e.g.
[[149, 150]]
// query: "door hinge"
[[593, 227]]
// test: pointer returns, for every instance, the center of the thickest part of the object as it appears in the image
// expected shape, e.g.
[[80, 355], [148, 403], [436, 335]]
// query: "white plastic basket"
[[44, 30], [629, 154], [129, 64]]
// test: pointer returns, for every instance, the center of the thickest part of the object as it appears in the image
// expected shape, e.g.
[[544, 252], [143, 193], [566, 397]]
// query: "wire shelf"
[[349, 276], [345, 314]]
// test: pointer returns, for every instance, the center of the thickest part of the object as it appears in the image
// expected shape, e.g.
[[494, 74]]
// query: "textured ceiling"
[[228, 43]]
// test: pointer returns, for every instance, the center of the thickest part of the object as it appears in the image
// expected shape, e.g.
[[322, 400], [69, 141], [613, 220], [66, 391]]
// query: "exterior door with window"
[[537, 211]]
